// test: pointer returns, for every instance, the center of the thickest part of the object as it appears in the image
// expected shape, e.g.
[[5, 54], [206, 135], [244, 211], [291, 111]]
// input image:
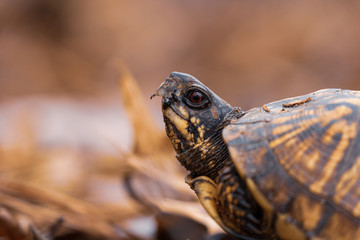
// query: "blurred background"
[[66, 125]]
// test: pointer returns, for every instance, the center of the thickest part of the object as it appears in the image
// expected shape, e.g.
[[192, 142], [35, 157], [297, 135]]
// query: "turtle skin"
[[286, 170]]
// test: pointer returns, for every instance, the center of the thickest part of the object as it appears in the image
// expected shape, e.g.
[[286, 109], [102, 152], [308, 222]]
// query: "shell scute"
[[304, 158]]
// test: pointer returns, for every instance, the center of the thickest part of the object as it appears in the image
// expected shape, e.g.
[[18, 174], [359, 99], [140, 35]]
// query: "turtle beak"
[[159, 93], [170, 85]]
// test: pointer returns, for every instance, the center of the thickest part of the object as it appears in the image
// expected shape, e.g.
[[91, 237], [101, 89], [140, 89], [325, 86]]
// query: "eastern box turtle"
[[287, 170]]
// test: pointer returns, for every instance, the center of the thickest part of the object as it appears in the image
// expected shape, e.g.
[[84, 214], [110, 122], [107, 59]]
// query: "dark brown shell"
[[303, 154]]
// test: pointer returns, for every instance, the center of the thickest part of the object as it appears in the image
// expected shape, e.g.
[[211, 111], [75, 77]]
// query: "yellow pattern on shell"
[[348, 132]]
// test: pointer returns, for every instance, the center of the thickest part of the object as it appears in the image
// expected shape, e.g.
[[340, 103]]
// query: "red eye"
[[196, 97]]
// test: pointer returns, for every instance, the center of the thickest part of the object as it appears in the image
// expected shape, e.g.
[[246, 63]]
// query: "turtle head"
[[191, 111], [192, 115]]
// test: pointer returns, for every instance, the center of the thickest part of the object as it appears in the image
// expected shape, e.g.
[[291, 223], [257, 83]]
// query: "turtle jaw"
[[177, 130], [182, 132]]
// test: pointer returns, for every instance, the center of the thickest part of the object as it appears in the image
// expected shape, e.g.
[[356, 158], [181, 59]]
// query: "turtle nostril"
[[174, 97], [166, 103]]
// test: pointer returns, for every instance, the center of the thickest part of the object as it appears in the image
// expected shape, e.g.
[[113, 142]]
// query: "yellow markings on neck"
[[348, 132], [180, 124], [195, 121], [201, 131], [183, 112]]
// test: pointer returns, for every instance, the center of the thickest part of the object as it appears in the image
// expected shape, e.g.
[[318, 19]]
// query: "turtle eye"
[[196, 99]]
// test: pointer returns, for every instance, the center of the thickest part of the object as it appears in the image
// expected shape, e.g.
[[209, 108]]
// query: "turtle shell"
[[301, 161]]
